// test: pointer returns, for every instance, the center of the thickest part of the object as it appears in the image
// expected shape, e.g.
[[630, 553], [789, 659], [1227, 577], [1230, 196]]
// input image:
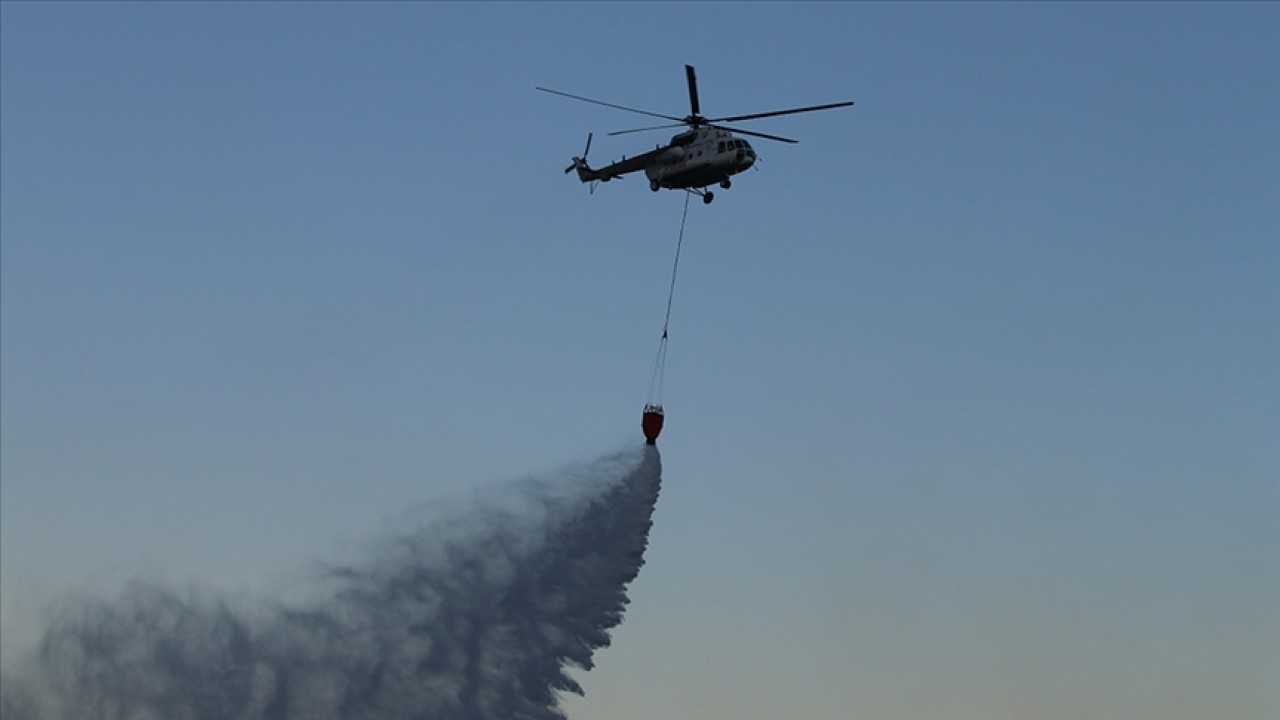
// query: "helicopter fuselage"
[[693, 159], [698, 158]]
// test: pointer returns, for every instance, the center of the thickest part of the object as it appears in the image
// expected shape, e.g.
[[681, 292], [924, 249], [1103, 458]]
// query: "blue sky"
[[974, 393]]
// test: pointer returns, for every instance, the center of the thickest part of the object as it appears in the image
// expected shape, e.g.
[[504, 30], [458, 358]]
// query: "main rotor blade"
[[740, 131], [693, 90], [737, 118], [598, 102], [643, 129]]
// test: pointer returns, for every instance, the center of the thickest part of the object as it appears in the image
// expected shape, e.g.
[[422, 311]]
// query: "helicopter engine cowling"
[[672, 155]]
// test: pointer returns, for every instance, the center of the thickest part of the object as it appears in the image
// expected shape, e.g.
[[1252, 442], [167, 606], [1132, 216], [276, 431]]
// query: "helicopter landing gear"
[[706, 195], [726, 184], [653, 185]]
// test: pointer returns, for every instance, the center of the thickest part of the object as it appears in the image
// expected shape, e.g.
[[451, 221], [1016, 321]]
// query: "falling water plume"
[[477, 619]]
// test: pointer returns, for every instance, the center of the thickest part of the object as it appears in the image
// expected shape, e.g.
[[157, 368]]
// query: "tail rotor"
[[580, 162]]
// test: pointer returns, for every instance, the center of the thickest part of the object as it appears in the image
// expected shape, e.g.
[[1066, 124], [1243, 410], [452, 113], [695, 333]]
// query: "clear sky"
[[973, 394]]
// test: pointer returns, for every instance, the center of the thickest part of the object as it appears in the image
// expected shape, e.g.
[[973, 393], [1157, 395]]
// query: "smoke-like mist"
[[480, 619]]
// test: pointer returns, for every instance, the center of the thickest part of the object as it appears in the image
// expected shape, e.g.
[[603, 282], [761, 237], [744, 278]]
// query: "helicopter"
[[704, 155]]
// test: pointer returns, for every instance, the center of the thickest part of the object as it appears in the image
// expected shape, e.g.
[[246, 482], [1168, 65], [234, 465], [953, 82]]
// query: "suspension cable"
[[676, 265], [660, 362]]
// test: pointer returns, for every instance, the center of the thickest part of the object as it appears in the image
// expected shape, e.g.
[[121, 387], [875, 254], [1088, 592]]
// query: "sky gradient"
[[973, 394]]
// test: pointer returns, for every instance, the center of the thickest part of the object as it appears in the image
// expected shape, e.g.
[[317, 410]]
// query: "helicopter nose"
[[746, 158]]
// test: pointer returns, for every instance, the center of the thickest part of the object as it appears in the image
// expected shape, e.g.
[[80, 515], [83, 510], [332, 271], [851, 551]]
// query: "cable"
[[660, 362], [675, 266]]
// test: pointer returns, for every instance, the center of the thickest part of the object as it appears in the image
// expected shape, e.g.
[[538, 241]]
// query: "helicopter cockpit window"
[[721, 148]]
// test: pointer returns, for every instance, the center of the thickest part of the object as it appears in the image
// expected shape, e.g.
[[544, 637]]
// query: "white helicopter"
[[706, 154]]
